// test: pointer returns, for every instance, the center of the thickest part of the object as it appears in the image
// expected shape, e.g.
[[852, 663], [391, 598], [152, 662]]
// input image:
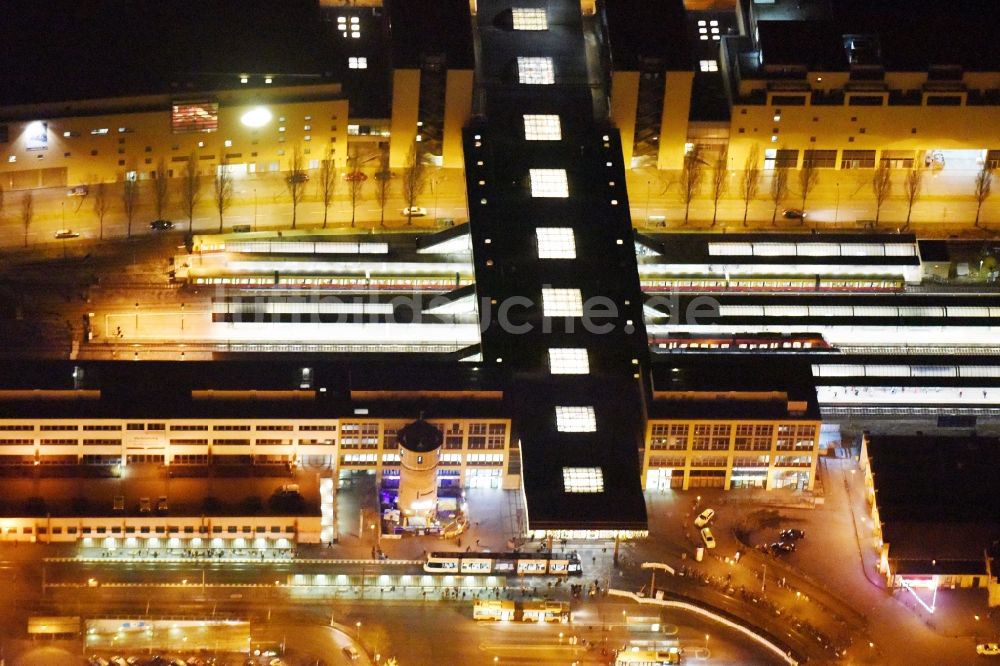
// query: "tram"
[[521, 564]]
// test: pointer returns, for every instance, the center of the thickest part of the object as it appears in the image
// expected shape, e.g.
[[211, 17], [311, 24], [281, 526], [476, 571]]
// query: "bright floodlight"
[[256, 117]]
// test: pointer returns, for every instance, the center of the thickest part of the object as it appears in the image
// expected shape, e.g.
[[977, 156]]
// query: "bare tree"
[[296, 181], [881, 187], [190, 190], [414, 180], [691, 177], [720, 180], [161, 188], [222, 185], [808, 179], [914, 184], [779, 189], [355, 184], [750, 184], [27, 212], [984, 187], [130, 200], [383, 182], [102, 204], [327, 184]]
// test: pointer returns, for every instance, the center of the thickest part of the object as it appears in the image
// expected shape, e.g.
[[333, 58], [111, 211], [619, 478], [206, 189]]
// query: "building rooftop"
[[64, 50], [376, 388], [640, 30], [936, 498], [710, 386], [419, 29], [899, 35]]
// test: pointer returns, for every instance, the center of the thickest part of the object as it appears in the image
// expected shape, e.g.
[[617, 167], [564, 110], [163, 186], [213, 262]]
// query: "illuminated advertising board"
[[188, 117]]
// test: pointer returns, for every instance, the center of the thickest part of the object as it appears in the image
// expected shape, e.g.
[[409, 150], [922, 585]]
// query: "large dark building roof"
[[576, 475], [937, 499], [641, 29], [64, 50], [912, 35], [723, 387], [330, 390], [431, 28]]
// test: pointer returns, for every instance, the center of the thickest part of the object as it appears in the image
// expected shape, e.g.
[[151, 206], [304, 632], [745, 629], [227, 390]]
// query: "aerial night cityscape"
[[499, 332]]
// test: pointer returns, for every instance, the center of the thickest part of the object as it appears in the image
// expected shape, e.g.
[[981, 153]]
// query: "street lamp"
[[358, 625], [706, 641]]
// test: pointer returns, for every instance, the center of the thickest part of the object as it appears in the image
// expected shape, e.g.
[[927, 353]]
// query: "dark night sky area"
[[55, 49]]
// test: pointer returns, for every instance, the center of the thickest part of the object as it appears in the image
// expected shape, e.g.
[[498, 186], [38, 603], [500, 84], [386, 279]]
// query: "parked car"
[[145, 506], [97, 661], [988, 649], [78, 191], [351, 653], [118, 661], [704, 517], [67, 233], [708, 538], [794, 214], [415, 211], [791, 535], [161, 504], [780, 547], [161, 225]]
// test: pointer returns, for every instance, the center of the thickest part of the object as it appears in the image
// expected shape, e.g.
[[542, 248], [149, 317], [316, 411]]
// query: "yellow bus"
[[641, 657], [520, 611]]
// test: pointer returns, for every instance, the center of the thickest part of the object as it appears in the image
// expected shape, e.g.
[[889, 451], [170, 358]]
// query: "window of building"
[[569, 361], [349, 26], [542, 127], [583, 479], [357, 63], [556, 243], [821, 159], [708, 65], [526, 18], [549, 183], [857, 159], [575, 419], [774, 158], [562, 302], [535, 71]]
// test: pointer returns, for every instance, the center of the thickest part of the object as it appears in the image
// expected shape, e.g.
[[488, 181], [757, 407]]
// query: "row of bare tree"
[[189, 189], [694, 172]]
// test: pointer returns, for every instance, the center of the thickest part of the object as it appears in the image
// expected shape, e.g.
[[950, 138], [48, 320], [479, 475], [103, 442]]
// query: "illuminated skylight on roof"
[[535, 71], [549, 183], [575, 419], [569, 361], [556, 243], [542, 127], [583, 480], [562, 302], [530, 19]]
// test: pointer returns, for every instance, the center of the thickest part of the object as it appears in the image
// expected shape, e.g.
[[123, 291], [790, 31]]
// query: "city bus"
[[521, 611], [644, 657], [521, 564]]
